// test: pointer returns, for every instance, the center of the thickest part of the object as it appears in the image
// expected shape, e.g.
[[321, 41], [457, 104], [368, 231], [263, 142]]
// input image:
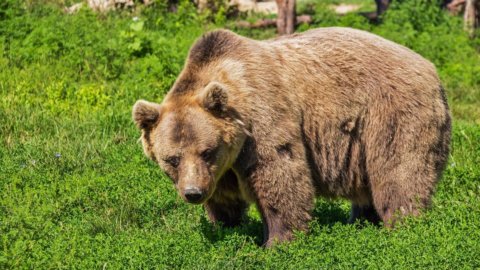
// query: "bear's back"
[[357, 54], [343, 66]]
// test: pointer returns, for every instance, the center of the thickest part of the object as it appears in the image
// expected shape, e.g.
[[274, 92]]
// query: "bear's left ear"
[[214, 98]]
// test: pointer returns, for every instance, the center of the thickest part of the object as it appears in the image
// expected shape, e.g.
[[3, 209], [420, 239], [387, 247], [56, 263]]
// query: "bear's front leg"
[[226, 205], [285, 195]]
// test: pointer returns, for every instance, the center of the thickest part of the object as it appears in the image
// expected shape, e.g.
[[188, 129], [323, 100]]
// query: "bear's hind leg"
[[406, 158], [404, 190]]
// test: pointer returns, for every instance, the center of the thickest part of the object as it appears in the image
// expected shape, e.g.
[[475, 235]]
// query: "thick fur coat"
[[332, 112]]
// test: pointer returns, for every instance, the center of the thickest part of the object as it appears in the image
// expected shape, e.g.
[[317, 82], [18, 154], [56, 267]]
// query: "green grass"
[[303, 6], [77, 192]]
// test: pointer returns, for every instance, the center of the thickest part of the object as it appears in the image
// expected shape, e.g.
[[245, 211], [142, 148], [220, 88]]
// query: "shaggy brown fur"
[[331, 112]]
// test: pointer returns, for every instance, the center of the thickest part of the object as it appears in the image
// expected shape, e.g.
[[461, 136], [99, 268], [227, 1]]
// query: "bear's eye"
[[173, 161], [208, 155]]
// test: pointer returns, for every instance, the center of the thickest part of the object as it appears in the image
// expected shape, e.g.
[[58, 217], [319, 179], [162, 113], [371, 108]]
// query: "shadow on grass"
[[216, 232], [326, 213]]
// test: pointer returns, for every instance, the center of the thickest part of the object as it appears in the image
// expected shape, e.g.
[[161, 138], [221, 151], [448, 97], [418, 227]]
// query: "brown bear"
[[332, 112]]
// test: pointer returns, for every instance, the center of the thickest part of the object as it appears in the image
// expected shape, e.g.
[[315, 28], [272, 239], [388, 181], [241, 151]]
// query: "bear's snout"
[[194, 194]]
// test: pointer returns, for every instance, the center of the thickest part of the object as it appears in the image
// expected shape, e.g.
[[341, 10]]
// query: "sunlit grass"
[[77, 192]]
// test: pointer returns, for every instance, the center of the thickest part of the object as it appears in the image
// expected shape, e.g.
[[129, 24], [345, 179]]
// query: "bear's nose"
[[193, 195]]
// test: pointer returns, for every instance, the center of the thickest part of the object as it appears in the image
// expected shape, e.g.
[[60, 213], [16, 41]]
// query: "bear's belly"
[[336, 159]]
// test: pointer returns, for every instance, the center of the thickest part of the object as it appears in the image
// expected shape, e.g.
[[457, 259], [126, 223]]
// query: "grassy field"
[[77, 192]]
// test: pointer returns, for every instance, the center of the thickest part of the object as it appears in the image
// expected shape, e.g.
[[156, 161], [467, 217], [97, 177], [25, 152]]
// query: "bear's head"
[[195, 138]]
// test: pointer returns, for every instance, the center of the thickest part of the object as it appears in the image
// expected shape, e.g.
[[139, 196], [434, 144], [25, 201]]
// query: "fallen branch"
[[263, 23], [455, 6], [106, 5]]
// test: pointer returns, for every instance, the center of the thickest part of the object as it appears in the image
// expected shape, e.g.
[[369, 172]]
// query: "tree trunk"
[[291, 16], [382, 6], [286, 16], [471, 16]]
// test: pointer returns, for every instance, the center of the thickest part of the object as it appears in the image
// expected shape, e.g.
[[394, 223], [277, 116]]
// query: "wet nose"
[[193, 195]]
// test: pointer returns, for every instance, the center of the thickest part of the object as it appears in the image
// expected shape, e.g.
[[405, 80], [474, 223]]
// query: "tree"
[[286, 17], [471, 15]]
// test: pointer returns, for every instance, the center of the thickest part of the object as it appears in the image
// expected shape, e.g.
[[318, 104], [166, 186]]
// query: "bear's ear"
[[145, 114], [214, 98]]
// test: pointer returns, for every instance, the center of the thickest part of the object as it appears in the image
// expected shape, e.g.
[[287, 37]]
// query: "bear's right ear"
[[145, 114]]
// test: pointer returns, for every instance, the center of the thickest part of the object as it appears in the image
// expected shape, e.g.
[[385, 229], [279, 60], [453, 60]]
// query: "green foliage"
[[77, 192], [422, 26]]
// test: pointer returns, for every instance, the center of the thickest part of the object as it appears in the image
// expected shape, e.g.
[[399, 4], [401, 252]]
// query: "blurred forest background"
[[77, 192]]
